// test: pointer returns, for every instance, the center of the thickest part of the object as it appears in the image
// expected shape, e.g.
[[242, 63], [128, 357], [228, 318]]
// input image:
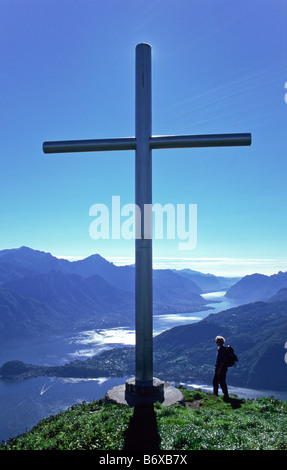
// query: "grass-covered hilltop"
[[204, 422]]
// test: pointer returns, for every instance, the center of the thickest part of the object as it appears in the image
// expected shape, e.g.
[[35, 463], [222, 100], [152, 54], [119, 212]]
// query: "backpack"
[[231, 357]]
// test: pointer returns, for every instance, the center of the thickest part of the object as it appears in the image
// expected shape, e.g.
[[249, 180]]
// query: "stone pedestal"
[[132, 393], [145, 389]]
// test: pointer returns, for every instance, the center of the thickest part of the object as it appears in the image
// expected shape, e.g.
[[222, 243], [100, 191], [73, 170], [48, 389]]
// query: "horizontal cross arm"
[[209, 140], [155, 142], [97, 145]]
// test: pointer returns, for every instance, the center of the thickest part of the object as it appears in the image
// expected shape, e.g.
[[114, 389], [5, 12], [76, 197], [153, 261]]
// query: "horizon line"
[[219, 266]]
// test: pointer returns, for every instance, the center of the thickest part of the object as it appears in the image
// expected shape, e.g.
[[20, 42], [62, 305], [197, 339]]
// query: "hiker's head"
[[219, 340]]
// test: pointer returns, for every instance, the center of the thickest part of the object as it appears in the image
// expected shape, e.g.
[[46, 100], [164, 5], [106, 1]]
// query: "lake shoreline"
[[23, 403]]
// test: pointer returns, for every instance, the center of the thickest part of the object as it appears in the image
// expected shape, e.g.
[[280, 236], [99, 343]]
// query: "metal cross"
[[143, 143]]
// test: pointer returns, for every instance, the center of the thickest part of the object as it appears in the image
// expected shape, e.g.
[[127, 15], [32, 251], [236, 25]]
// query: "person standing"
[[220, 369]]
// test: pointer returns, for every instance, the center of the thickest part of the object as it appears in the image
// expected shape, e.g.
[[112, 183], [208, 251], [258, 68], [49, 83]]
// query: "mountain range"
[[41, 294], [208, 282], [257, 287]]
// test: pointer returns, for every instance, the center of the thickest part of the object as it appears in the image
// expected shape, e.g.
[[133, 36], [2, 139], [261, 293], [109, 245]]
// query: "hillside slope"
[[258, 333], [187, 353], [204, 422]]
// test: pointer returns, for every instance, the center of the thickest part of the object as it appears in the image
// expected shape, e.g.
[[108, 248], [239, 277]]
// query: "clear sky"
[[218, 66]]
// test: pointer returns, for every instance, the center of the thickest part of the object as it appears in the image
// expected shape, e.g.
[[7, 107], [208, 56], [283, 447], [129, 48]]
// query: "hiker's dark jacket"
[[221, 356]]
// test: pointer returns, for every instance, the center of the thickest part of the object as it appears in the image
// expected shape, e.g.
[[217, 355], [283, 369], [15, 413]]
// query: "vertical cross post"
[[143, 200], [143, 143]]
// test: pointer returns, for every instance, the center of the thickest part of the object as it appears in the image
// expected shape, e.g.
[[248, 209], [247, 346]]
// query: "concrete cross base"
[[133, 394], [145, 389]]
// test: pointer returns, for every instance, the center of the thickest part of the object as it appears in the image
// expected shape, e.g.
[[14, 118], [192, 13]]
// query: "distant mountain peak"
[[97, 257], [25, 248]]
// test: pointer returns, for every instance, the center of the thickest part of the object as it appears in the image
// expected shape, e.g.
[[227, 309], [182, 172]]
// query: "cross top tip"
[[143, 45]]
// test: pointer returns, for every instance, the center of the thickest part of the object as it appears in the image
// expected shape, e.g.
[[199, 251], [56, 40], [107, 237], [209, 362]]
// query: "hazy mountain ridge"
[[208, 282], [280, 296], [58, 298], [41, 294], [256, 287], [91, 292], [77, 300], [21, 316]]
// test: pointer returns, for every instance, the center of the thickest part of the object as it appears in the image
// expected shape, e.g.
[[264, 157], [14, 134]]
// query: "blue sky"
[[218, 66]]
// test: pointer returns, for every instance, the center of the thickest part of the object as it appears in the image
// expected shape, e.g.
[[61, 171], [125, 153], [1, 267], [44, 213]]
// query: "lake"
[[23, 404]]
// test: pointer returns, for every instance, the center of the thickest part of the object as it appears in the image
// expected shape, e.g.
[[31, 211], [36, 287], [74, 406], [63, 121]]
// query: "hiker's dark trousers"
[[220, 378]]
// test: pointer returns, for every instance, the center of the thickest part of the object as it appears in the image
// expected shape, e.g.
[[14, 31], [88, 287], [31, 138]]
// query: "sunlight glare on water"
[[213, 295], [114, 336]]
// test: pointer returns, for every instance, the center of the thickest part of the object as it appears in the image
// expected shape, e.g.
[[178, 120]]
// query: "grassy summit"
[[205, 422]]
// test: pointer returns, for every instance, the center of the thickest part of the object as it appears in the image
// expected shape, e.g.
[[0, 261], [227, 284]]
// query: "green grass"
[[205, 422]]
